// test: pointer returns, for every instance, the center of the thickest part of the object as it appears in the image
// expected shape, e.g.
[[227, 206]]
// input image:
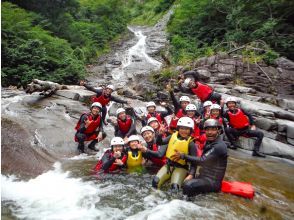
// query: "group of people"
[[193, 137]]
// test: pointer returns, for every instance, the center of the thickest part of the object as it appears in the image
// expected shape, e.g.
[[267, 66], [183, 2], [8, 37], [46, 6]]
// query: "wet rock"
[[243, 89], [286, 103], [284, 115], [211, 60], [204, 74], [285, 63], [81, 95], [269, 147], [224, 68], [228, 61], [266, 124]]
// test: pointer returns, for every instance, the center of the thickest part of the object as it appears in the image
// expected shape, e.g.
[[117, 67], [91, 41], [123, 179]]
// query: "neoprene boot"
[[92, 145], [81, 148]]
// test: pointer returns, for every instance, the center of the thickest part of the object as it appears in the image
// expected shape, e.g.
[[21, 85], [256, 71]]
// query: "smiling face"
[[122, 116], [151, 109], [95, 110], [117, 148], [191, 114], [133, 144], [211, 133], [107, 92], [184, 104], [154, 124], [231, 105], [184, 132], [191, 84], [148, 136], [215, 112]]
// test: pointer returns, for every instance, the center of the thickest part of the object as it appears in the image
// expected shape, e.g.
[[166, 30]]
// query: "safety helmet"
[[133, 138], [186, 122], [215, 106], [117, 141], [191, 107], [211, 123], [150, 104], [185, 99], [110, 87], [119, 110], [96, 104], [146, 128], [186, 82], [151, 119], [231, 99], [207, 103]]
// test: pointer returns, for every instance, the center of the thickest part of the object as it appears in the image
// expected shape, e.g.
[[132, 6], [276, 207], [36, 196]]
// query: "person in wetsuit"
[[213, 162], [125, 125], [180, 141]]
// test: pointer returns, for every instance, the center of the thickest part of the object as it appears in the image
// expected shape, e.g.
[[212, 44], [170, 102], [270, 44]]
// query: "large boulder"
[[266, 124]]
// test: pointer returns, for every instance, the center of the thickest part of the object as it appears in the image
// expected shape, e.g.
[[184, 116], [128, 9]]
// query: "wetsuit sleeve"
[[101, 126], [226, 115], [83, 124], [97, 91], [212, 154], [159, 154], [162, 141], [116, 130], [251, 121], [164, 114], [107, 161], [118, 100], [176, 103], [192, 152], [132, 129]]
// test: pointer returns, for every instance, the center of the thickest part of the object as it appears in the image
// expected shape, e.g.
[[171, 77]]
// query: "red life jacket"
[[101, 99], [113, 167], [156, 115], [238, 120], [93, 126], [220, 119], [157, 161], [180, 113], [174, 121], [238, 188], [202, 91], [196, 131], [124, 126]]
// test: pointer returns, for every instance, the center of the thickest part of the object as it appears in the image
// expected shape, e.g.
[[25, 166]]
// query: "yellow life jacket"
[[134, 161], [180, 145]]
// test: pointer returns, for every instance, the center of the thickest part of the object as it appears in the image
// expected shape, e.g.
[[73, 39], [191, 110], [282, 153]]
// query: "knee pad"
[[155, 182]]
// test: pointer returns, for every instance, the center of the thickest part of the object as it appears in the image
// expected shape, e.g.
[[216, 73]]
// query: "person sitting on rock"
[[213, 162], [151, 112], [103, 96], [241, 124], [114, 159], [180, 141], [149, 136], [89, 128], [125, 125], [204, 92]]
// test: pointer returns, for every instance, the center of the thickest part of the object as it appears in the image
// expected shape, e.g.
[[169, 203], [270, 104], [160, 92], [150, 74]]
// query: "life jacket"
[[238, 120], [157, 161], [238, 188], [220, 119], [134, 161], [124, 126], [202, 91], [196, 131], [176, 144], [113, 167], [93, 126], [156, 115], [180, 113], [101, 99]]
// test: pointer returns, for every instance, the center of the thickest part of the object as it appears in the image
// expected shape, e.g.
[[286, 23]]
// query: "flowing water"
[[70, 190]]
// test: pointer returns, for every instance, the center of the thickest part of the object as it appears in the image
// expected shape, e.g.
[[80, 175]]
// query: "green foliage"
[[198, 24], [163, 6]]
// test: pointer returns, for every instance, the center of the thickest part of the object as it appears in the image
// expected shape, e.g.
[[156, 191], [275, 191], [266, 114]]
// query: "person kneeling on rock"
[[114, 159], [241, 124], [180, 141], [213, 162], [89, 128], [125, 126]]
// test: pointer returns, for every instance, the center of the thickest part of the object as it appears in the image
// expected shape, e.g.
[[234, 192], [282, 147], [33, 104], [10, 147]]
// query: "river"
[[70, 190]]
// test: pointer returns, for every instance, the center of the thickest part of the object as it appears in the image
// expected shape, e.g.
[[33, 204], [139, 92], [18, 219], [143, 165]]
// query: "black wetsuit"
[[108, 159], [111, 97], [213, 164]]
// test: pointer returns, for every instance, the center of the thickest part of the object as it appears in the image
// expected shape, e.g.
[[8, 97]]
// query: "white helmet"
[[150, 104], [133, 138], [186, 82], [185, 99], [191, 107], [215, 106], [207, 103], [186, 122], [146, 128], [110, 87], [96, 104], [231, 99], [151, 119], [119, 110], [117, 141]]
